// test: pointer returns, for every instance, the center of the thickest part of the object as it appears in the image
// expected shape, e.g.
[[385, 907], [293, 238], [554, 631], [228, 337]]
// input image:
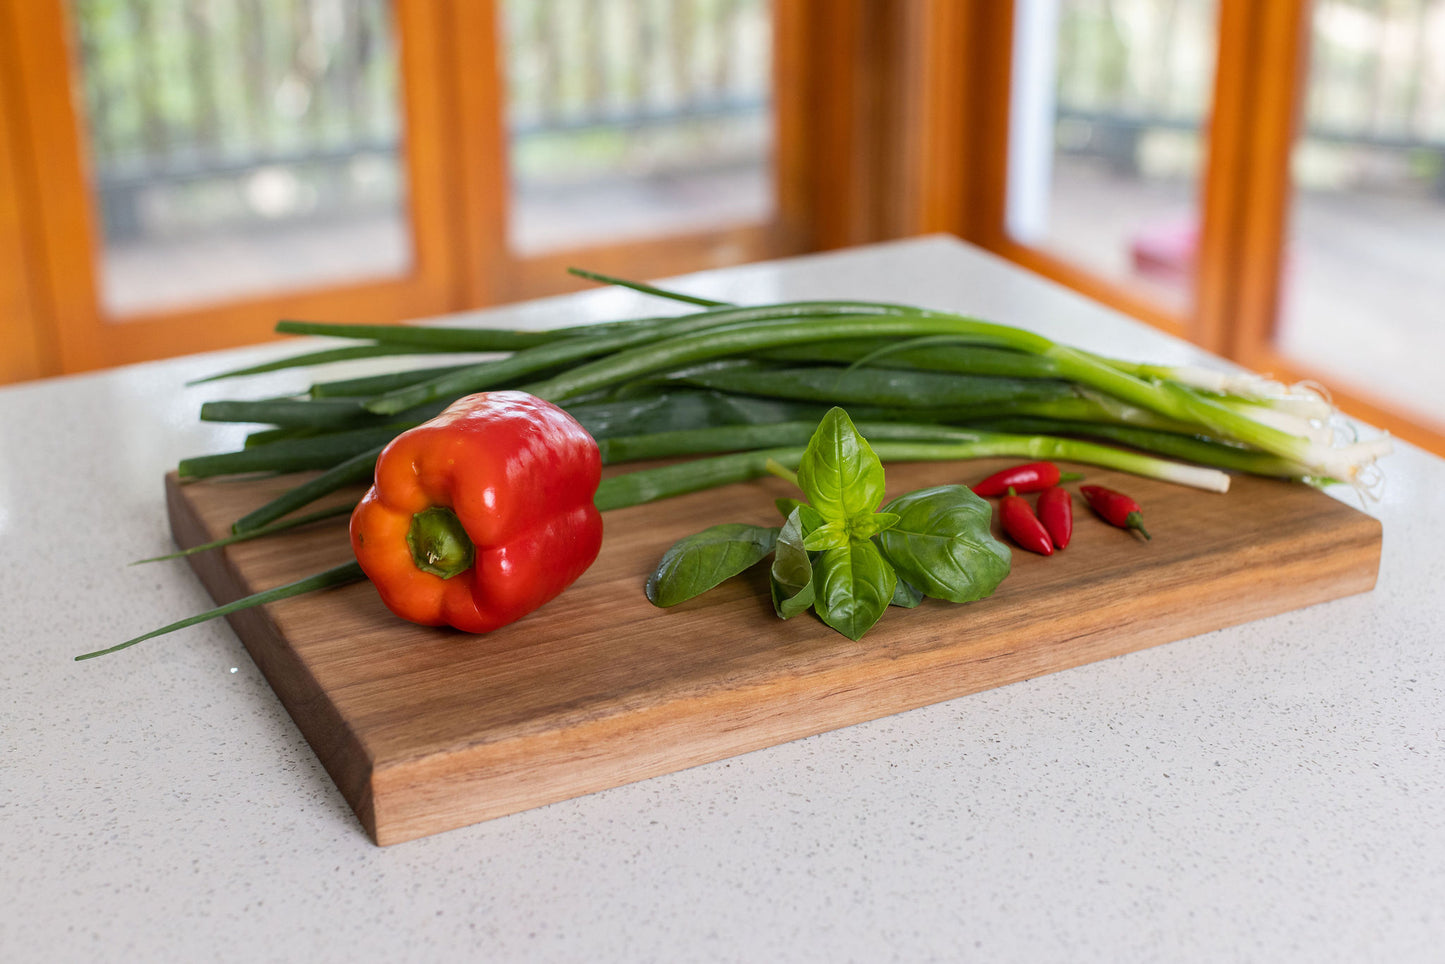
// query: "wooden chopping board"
[[425, 730]]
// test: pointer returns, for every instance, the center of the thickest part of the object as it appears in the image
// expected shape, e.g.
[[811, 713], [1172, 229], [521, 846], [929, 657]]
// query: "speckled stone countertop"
[[1275, 791]]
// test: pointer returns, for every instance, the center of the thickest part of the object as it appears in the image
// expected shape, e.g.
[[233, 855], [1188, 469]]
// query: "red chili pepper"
[[1032, 477], [1115, 508], [1023, 526], [481, 515], [1056, 512]]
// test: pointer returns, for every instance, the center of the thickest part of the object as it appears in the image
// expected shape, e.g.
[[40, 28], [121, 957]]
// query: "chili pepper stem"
[[1135, 521]]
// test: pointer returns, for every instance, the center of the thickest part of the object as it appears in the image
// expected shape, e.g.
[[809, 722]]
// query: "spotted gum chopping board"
[[425, 730]]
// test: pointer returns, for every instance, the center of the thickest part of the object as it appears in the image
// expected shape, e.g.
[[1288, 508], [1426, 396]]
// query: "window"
[[636, 119], [1108, 137], [209, 168], [240, 148], [1263, 178], [1364, 265]]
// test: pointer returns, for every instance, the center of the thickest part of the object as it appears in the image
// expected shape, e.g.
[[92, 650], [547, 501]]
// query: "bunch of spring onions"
[[753, 381], [734, 388]]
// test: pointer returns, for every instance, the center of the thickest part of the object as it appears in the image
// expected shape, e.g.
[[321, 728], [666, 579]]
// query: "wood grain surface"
[[425, 730]]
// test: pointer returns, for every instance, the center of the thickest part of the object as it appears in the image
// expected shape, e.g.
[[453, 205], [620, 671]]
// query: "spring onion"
[[887, 362], [736, 391]]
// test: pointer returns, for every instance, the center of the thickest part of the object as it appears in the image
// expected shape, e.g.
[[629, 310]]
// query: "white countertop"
[[1270, 792]]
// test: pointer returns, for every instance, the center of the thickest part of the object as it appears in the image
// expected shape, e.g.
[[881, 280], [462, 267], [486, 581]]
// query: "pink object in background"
[[1166, 250]]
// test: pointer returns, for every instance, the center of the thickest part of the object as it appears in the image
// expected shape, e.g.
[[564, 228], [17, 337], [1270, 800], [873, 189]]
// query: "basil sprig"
[[838, 553]]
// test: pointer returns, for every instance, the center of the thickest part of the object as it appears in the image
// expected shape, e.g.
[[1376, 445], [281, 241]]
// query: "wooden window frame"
[[67, 237], [455, 156], [28, 351], [820, 177], [1281, 31]]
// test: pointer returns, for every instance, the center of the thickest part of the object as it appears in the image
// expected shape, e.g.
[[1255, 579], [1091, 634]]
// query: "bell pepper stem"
[[439, 542]]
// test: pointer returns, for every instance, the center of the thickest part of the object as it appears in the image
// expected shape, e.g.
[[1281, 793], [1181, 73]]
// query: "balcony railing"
[[212, 115], [1375, 82], [209, 116]]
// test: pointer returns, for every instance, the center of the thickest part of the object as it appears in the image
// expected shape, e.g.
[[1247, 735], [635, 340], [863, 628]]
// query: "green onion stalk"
[[733, 389], [885, 362]]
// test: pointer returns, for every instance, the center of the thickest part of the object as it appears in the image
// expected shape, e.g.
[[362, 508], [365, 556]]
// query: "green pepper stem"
[[439, 542], [1136, 521]]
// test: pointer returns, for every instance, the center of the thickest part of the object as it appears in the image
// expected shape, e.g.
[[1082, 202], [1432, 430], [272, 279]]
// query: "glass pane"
[[1364, 279], [241, 147], [637, 118], [1107, 137]]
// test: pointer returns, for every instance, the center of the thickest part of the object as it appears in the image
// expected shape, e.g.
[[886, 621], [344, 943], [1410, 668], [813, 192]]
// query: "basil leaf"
[[853, 586], [868, 526], [786, 506], [808, 517], [942, 544], [699, 562], [839, 472], [829, 535], [906, 596], [791, 577]]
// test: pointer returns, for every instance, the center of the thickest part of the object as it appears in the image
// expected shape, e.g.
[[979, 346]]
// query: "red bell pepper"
[[482, 514], [1022, 526]]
